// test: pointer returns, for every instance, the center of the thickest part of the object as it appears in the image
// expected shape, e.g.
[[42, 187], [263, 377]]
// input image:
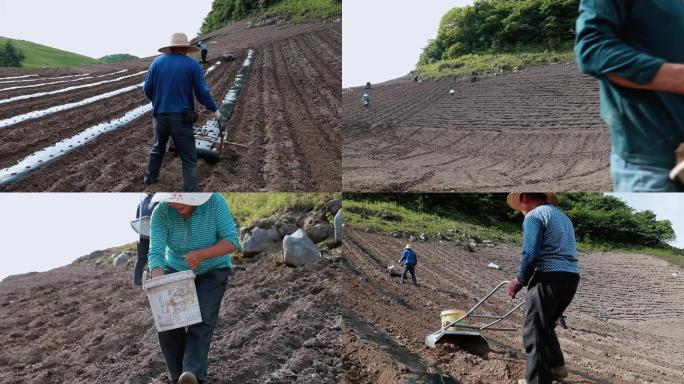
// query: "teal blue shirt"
[[633, 39], [171, 236]]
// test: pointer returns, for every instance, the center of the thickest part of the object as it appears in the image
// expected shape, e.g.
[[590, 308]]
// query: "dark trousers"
[[167, 125], [143, 250], [410, 268], [187, 349], [204, 55], [545, 303]]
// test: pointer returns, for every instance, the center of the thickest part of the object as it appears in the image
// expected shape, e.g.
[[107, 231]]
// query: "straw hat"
[[179, 40], [193, 199], [513, 199], [408, 246]]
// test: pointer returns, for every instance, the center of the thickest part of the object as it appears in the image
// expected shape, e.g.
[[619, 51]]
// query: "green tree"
[[240, 10], [10, 56]]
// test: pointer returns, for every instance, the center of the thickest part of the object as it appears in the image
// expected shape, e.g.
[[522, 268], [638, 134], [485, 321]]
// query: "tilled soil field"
[[538, 128], [624, 326], [287, 115], [85, 323]]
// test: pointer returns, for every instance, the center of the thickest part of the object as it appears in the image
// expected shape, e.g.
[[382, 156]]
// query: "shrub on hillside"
[[11, 56]]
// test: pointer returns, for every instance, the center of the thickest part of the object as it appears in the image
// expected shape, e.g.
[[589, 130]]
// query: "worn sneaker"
[[187, 378], [522, 381], [559, 372]]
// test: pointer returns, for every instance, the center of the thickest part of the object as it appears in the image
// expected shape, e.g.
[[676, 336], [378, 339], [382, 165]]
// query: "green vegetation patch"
[[392, 216], [302, 10], [38, 56], [490, 36], [250, 207], [223, 12], [117, 58], [492, 63]]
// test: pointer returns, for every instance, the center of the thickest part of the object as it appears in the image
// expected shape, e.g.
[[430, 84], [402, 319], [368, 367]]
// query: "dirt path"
[[288, 114], [86, 324], [611, 325], [534, 129]]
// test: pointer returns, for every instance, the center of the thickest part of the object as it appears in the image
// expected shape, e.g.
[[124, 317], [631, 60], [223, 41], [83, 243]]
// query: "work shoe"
[[187, 378], [677, 174], [559, 372]]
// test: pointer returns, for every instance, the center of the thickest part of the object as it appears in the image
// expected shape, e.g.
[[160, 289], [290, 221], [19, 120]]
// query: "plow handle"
[[479, 303]]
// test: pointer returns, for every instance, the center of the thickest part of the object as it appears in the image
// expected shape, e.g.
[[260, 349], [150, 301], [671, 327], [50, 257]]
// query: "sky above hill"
[[99, 28], [383, 39]]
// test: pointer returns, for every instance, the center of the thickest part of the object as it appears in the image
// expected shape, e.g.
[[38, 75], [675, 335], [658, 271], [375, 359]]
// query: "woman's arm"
[[194, 258], [158, 237]]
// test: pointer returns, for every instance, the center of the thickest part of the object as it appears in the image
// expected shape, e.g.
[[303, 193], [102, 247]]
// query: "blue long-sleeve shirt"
[[171, 82], [548, 243], [409, 257], [633, 39], [202, 47]]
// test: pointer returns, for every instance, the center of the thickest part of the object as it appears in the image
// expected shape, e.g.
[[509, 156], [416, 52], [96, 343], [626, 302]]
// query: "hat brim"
[[513, 199], [191, 49], [193, 199]]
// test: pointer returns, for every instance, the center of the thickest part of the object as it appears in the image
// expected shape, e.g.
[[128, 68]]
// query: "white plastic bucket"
[[173, 299], [142, 226]]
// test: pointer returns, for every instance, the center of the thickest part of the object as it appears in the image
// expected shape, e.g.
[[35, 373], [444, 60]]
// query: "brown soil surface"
[[538, 128], [288, 114], [625, 323], [85, 323]]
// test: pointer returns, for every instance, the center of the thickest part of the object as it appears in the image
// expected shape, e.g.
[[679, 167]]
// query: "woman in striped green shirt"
[[193, 231]]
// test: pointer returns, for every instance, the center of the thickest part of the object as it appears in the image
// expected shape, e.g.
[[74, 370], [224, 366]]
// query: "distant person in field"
[[193, 231], [172, 83], [366, 100], [635, 49], [409, 258], [368, 85], [550, 269], [204, 51], [145, 209]]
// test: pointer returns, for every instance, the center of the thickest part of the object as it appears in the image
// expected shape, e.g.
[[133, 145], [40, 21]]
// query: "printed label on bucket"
[[175, 307]]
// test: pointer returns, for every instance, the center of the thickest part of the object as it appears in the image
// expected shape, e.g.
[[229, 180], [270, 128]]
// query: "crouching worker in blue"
[[171, 82], [409, 259], [193, 231], [550, 270]]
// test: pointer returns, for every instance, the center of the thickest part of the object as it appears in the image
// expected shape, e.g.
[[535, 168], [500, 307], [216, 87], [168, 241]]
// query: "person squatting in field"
[[193, 231], [171, 82], [550, 269], [634, 48]]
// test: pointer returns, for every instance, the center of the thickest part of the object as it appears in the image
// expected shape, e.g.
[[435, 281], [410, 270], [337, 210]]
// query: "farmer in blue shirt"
[[170, 84], [203, 51], [409, 259], [634, 47], [193, 231], [550, 270]]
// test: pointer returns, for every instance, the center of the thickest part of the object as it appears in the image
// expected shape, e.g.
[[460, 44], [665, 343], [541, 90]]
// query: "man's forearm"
[[669, 78]]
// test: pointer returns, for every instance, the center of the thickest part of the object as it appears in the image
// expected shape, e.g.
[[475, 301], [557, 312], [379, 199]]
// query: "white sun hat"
[[179, 40], [193, 199]]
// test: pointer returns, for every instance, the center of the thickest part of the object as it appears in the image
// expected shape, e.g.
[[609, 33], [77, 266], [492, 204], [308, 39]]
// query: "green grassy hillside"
[[494, 36], [38, 56], [486, 217], [223, 12]]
